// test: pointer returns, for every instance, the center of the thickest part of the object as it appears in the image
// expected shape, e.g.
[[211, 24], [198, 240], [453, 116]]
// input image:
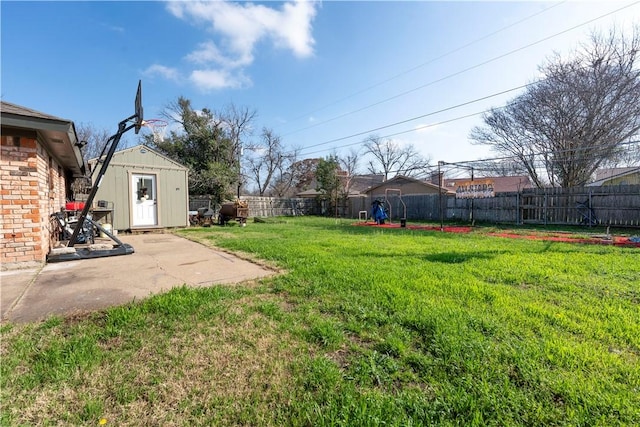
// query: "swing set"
[[383, 210]]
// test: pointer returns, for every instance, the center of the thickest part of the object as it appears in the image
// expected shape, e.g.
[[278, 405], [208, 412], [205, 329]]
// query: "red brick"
[[19, 229], [16, 251], [14, 245], [25, 258], [32, 204], [27, 143]]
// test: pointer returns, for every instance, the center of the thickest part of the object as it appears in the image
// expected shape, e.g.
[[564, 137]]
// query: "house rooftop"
[[56, 134]]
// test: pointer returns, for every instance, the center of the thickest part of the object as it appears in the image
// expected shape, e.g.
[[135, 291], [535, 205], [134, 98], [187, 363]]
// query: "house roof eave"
[[57, 135]]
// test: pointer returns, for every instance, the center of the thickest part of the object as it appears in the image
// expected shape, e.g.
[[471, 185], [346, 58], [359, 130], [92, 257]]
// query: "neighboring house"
[[39, 158], [616, 176], [501, 184], [358, 185], [361, 183], [311, 193], [407, 186], [144, 190], [310, 190]]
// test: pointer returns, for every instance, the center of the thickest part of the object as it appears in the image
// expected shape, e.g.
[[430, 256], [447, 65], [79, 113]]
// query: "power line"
[[422, 116], [548, 152], [380, 83], [537, 163], [464, 70], [398, 133], [419, 128]]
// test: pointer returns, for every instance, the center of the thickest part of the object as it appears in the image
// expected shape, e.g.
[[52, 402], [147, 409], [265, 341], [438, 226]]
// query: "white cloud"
[[208, 53], [241, 26], [162, 71], [295, 27], [238, 28], [211, 79]]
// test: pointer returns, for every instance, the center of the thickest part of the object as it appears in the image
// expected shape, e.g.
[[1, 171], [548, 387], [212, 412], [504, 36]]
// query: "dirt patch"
[[447, 229], [569, 238], [565, 237]]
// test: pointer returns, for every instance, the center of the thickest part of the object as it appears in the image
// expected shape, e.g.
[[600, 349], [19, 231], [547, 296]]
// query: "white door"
[[145, 208]]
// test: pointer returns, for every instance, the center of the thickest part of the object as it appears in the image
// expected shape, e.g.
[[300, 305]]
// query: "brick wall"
[[31, 188]]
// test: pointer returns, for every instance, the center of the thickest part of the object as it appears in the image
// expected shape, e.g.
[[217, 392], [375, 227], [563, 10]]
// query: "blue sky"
[[322, 75]]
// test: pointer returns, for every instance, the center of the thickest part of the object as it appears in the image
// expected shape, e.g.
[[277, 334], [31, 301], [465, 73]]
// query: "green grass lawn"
[[363, 327]]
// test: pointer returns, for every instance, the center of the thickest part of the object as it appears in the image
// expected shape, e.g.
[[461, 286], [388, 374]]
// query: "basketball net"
[[157, 127]]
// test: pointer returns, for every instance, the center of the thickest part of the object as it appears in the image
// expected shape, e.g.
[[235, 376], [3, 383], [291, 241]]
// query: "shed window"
[[145, 188]]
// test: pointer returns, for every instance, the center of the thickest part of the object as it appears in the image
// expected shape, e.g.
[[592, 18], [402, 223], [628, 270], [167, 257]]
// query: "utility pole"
[[440, 162], [239, 167], [471, 213]]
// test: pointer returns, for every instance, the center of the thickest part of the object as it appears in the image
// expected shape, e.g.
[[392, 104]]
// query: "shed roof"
[[140, 148]]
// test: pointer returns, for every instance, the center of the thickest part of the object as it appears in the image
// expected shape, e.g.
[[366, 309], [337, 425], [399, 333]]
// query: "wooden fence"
[[617, 205], [609, 205], [266, 206]]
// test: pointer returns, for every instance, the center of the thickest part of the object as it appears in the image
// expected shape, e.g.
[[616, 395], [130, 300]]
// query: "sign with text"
[[474, 189]]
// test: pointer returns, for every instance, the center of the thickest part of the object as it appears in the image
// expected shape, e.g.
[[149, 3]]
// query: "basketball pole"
[[115, 139]]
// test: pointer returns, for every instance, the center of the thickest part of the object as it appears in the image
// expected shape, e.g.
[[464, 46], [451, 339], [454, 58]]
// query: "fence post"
[[544, 210], [590, 210], [440, 196]]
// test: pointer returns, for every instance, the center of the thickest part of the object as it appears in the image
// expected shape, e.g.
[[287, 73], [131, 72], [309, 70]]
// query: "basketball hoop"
[[157, 127]]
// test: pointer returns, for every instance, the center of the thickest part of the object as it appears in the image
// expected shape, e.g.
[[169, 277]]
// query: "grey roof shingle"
[[18, 110]]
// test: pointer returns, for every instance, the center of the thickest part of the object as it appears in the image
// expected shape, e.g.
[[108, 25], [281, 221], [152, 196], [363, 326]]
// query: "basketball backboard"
[[138, 106]]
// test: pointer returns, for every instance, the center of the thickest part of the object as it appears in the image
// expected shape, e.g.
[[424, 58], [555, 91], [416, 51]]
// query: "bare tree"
[[349, 164], [93, 142], [93, 139], [389, 157], [504, 167], [269, 158], [238, 122], [577, 118], [298, 176]]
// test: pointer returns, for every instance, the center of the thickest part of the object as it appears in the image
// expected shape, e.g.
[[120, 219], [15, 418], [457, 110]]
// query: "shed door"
[[145, 207]]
